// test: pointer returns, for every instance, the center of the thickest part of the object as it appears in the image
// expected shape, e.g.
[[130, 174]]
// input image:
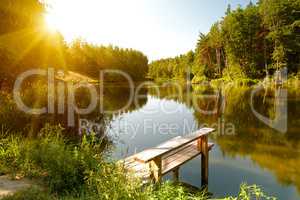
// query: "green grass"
[[33, 193], [82, 171]]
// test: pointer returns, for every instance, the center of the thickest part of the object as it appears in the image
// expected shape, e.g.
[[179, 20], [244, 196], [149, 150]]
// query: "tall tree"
[[282, 18], [216, 42], [16, 15], [242, 30], [19, 20], [90, 59]]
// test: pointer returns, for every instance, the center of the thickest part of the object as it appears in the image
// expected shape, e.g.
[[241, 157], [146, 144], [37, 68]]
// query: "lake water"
[[247, 149]]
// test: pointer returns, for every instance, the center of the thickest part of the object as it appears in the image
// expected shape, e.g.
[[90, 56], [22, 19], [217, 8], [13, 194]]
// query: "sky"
[[158, 28]]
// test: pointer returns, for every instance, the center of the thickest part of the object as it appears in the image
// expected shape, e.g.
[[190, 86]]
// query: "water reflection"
[[247, 150], [34, 95], [255, 153]]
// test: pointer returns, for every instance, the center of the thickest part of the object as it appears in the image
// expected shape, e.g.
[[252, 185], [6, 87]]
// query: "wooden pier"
[[152, 164]]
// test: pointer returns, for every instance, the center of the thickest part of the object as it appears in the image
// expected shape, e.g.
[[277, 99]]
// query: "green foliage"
[[279, 56], [247, 43], [58, 160], [32, 193], [10, 154], [13, 118], [209, 52], [199, 79], [20, 14], [233, 72], [48, 156], [281, 18], [178, 68], [89, 59], [244, 40], [251, 192], [82, 171], [169, 191], [26, 43], [166, 191], [66, 168]]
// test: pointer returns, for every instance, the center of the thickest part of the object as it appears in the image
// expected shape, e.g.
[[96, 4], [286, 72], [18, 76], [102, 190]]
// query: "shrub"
[[83, 171], [249, 193], [10, 116], [169, 191], [233, 72], [66, 167], [199, 79], [49, 156]]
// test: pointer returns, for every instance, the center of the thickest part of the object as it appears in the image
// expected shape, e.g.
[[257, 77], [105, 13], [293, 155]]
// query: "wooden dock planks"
[[153, 163], [171, 145], [168, 164]]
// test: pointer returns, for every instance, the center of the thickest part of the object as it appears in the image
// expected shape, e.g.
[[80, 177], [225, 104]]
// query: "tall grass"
[[66, 168], [82, 171]]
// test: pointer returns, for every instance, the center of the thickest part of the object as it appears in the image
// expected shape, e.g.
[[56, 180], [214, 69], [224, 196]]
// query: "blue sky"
[[184, 19], [159, 28]]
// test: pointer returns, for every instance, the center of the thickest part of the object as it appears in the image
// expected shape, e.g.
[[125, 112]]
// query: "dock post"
[[204, 161], [176, 174], [156, 169]]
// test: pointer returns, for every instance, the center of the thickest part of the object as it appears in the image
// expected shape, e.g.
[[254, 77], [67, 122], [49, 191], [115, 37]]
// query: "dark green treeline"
[[26, 43], [248, 42]]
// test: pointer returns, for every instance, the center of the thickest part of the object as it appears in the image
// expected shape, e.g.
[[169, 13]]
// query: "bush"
[[233, 72], [65, 167], [83, 171], [251, 192], [61, 165], [169, 191], [199, 79], [10, 116]]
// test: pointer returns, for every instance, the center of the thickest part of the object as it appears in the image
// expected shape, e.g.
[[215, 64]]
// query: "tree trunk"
[[218, 56], [265, 58]]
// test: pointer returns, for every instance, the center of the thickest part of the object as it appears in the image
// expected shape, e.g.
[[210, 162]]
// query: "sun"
[[52, 22], [73, 19], [118, 22]]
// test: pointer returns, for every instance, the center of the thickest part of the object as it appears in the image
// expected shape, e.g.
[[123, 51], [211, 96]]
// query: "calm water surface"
[[247, 150], [254, 154]]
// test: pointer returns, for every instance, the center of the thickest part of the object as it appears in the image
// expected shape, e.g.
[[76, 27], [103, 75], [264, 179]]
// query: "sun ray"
[[19, 34], [31, 45], [61, 57]]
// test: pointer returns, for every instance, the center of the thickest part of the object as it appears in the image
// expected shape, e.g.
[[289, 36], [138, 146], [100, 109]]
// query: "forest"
[[62, 161], [247, 43], [26, 43]]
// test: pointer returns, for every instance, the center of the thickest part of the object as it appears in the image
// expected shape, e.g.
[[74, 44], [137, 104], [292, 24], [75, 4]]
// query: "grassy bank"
[[293, 81], [81, 171]]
